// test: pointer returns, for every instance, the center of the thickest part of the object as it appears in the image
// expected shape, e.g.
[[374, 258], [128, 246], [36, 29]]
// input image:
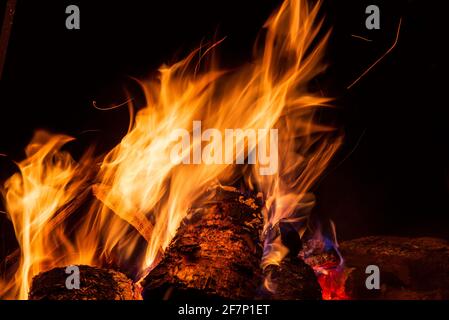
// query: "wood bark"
[[292, 278], [216, 252], [95, 284], [410, 268]]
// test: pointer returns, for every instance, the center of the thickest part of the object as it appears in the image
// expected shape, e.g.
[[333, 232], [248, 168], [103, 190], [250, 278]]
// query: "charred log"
[[410, 268], [95, 284], [292, 279], [216, 252]]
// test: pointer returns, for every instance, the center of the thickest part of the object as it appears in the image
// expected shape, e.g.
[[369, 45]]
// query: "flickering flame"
[[140, 193], [47, 182]]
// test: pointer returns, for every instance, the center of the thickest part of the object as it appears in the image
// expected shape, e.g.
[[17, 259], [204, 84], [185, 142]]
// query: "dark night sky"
[[391, 176]]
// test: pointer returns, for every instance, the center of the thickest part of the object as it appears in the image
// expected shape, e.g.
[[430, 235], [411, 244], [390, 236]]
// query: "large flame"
[[140, 193], [37, 199]]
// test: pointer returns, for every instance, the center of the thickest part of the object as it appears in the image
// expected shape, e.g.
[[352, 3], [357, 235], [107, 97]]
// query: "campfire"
[[209, 193]]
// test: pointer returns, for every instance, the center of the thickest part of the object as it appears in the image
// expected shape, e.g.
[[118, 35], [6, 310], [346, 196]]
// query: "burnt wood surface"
[[216, 252], [410, 268], [95, 284], [292, 279]]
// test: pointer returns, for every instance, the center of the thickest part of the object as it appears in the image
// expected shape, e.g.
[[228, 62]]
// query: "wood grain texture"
[[216, 252], [95, 284]]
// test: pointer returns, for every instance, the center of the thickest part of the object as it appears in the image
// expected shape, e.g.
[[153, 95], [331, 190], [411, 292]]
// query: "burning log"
[[410, 268], [292, 278], [216, 252], [95, 284], [323, 256]]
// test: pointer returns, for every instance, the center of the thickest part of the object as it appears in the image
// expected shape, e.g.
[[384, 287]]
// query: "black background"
[[277, 310], [390, 177]]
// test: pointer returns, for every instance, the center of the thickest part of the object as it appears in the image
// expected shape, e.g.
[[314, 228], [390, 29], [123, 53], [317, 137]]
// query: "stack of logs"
[[217, 253]]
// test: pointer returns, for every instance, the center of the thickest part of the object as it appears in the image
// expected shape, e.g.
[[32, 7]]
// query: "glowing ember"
[[322, 254], [332, 282]]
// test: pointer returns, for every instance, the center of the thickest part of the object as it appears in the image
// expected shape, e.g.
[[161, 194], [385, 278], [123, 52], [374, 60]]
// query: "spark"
[[94, 104], [380, 58], [207, 51], [360, 37], [8, 20]]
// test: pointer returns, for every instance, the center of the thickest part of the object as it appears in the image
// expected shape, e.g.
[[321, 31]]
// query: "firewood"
[[216, 252], [410, 268], [292, 278], [95, 284]]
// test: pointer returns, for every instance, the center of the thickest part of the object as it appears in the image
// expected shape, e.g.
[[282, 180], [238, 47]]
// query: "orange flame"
[[141, 193], [47, 183]]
